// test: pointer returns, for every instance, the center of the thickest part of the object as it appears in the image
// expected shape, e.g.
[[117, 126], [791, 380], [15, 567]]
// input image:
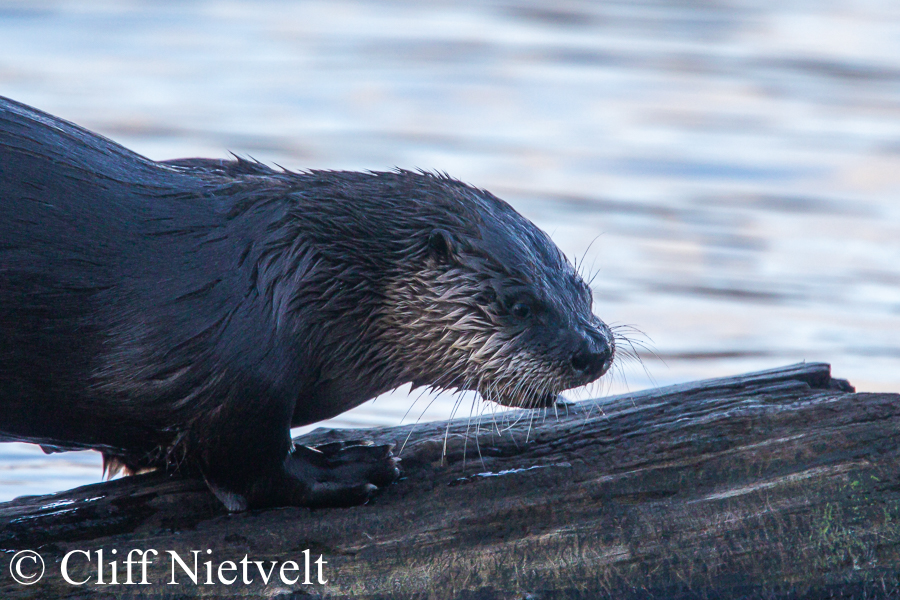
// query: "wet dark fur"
[[190, 312]]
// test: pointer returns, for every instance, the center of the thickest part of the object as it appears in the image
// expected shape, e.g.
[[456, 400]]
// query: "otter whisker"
[[584, 256], [530, 419], [475, 400], [423, 391], [422, 414]]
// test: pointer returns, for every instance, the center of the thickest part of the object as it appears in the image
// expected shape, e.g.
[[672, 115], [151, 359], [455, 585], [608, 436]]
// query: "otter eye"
[[520, 310]]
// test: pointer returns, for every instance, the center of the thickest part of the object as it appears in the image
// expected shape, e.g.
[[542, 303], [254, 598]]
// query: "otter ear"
[[440, 244]]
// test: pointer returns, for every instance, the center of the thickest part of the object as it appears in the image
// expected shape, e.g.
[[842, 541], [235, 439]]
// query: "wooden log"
[[778, 484]]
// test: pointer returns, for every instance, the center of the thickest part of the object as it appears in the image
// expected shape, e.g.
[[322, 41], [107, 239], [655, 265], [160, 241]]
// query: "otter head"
[[492, 305]]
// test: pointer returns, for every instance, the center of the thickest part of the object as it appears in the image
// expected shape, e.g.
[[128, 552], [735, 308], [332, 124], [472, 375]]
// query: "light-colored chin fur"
[[444, 339]]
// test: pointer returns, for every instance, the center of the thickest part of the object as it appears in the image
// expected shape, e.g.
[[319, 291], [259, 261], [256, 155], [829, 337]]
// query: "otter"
[[185, 314]]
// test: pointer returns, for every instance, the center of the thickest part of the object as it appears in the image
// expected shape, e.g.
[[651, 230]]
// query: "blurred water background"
[[729, 170]]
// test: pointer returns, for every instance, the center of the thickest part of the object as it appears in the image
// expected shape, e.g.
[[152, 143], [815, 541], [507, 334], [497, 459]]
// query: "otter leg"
[[248, 462]]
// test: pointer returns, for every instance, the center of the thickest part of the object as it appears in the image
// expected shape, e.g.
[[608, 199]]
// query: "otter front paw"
[[342, 473], [333, 475]]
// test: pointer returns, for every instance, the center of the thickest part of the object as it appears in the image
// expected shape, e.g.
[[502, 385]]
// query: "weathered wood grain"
[[780, 484]]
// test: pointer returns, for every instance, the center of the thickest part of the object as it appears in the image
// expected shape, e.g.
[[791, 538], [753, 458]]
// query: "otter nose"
[[592, 360]]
